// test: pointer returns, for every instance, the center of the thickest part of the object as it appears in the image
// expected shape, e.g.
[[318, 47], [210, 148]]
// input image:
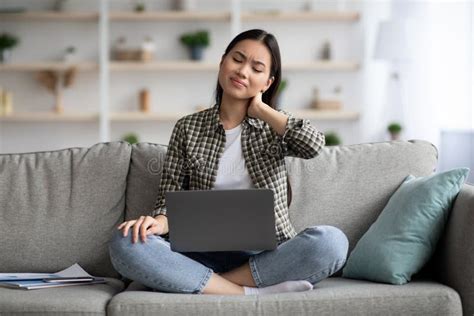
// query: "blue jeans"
[[314, 254]]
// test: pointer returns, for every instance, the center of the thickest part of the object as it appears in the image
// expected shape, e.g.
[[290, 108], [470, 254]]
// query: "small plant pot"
[[279, 99], [186, 5], [395, 136], [5, 55], [197, 52]]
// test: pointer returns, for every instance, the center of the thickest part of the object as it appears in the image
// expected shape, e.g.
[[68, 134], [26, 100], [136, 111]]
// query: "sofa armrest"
[[455, 258]]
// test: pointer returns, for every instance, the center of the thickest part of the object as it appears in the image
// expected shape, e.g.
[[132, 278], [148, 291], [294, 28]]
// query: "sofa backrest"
[[143, 179], [344, 186], [348, 186], [61, 207]]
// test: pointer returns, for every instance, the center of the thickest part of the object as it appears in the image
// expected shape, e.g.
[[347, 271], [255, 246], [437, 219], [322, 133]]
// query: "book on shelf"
[[74, 275]]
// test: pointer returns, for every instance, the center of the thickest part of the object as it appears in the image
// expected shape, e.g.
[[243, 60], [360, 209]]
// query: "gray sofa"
[[61, 207]]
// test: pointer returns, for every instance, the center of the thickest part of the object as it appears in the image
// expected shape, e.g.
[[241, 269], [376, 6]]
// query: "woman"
[[239, 143]]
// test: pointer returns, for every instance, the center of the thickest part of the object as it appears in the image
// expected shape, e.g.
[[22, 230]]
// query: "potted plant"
[[131, 138], [394, 129], [7, 42], [70, 54], [196, 42], [280, 89], [140, 7], [332, 139]]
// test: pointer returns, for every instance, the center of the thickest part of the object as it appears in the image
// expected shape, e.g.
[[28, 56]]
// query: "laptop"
[[221, 220]]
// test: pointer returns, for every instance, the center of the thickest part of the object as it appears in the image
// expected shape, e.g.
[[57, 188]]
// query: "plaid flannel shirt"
[[198, 141]]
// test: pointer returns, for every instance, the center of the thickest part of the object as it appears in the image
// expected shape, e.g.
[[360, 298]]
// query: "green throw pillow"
[[404, 236]]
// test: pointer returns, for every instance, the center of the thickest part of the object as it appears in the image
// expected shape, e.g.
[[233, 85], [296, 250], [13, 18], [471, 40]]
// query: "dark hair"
[[269, 97]]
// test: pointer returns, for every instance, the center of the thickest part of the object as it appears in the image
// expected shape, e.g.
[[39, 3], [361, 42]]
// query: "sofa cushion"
[[61, 207], [74, 300], [333, 296], [405, 235], [348, 186], [143, 180]]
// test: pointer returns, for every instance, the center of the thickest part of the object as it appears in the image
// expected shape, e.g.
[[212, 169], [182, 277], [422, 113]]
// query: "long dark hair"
[[269, 97]]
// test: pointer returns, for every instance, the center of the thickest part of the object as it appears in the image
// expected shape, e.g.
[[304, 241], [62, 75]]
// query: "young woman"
[[239, 143]]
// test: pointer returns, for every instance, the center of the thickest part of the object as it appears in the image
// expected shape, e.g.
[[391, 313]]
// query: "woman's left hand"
[[256, 105]]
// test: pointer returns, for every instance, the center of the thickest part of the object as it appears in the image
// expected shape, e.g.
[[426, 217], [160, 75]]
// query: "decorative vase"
[[197, 52], [144, 100]]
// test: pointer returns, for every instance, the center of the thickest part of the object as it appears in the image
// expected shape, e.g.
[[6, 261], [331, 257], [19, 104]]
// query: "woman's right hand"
[[143, 226]]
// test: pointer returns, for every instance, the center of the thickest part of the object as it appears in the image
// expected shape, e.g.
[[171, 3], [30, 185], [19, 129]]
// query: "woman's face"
[[245, 70]]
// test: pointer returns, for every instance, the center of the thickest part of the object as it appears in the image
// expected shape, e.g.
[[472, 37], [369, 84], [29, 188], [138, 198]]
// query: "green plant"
[[140, 7], [70, 49], [8, 41], [394, 128], [332, 139], [198, 38], [132, 138], [282, 86]]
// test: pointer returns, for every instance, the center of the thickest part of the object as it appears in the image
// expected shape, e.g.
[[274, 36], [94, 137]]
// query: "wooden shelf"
[[50, 117], [322, 66], [141, 116], [329, 115], [164, 65], [323, 16], [56, 66], [172, 65], [161, 117], [207, 66], [51, 16], [170, 16], [166, 117], [335, 16]]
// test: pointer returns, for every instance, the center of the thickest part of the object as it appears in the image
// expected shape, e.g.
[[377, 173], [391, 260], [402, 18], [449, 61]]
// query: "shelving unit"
[[329, 16], [55, 66], [158, 117], [175, 16], [105, 67], [326, 114], [167, 117], [322, 66], [141, 116], [49, 117], [163, 66], [51, 16], [174, 65]]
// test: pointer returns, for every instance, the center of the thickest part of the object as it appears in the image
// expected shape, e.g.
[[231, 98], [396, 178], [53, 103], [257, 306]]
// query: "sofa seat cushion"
[[73, 300], [333, 296]]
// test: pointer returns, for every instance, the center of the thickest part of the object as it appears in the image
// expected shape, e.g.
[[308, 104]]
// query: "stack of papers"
[[74, 275]]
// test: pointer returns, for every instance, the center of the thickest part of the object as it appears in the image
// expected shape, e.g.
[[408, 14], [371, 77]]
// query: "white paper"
[[73, 271]]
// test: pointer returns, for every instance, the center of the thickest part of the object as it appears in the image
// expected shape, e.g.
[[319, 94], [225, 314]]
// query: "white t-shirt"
[[232, 172]]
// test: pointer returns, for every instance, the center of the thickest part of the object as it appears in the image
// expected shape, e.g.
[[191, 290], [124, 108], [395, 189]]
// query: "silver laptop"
[[221, 220]]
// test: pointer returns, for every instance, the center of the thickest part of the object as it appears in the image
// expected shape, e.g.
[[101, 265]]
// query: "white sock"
[[288, 286]]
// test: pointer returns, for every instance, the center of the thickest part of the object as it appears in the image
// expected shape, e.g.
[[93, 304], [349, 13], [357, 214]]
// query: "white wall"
[[438, 85]]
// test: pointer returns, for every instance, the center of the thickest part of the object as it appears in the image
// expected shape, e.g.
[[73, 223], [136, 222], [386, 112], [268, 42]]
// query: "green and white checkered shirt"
[[198, 141]]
